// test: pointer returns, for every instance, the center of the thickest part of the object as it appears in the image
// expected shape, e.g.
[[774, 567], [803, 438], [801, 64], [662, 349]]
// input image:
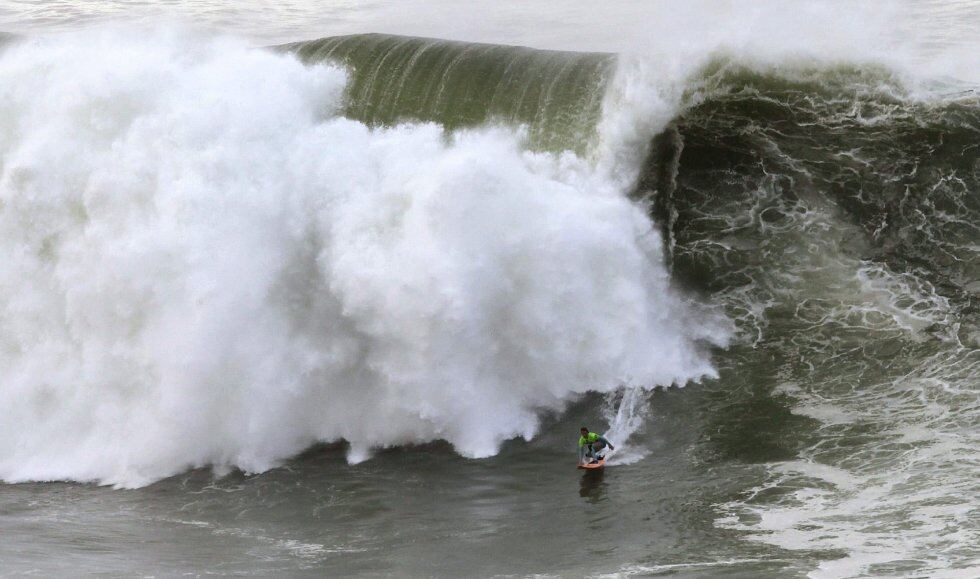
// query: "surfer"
[[589, 445]]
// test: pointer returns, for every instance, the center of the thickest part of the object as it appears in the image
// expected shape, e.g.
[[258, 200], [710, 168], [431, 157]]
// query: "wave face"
[[837, 219], [207, 263], [556, 95]]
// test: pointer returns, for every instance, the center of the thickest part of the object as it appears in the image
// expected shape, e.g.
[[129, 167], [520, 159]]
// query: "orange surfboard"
[[594, 465]]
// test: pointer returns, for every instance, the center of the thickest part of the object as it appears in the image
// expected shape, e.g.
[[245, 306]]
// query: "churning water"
[[281, 306]]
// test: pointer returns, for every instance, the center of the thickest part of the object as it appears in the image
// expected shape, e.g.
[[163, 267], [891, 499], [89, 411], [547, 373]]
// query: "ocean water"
[[328, 288]]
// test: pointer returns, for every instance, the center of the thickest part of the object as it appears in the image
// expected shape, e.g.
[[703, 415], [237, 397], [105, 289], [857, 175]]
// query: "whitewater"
[[279, 294], [215, 269]]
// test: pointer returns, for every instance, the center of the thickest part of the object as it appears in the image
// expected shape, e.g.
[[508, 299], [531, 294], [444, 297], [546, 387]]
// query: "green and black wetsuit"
[[591, 444]]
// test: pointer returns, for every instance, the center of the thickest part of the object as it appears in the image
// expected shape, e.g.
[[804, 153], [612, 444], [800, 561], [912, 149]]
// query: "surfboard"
[[595, 465]]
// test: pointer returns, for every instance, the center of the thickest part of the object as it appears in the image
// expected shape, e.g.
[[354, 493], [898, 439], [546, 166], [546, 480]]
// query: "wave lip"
[[557, 95]]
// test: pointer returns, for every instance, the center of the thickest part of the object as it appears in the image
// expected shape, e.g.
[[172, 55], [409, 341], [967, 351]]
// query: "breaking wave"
[[217, 256], [208, 263]]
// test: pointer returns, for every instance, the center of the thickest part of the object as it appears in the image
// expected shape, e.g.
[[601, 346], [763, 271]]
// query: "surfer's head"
[[584, 430]]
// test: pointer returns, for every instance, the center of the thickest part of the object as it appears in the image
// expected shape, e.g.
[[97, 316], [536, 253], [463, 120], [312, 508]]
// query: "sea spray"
[[626, 411]]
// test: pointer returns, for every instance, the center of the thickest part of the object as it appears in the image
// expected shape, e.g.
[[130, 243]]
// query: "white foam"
[[204, 265]]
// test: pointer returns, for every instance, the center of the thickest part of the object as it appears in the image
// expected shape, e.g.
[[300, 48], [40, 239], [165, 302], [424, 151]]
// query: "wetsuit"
[[590, 445]]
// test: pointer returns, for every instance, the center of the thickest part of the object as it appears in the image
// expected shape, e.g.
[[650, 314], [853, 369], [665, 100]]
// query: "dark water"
[[417, 511], [838, 223]]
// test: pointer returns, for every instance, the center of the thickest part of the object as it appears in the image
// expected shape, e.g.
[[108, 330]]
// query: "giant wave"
[[218, 256], [206, 263]]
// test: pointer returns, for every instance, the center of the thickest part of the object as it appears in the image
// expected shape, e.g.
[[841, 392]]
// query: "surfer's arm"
[[603, 440]]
